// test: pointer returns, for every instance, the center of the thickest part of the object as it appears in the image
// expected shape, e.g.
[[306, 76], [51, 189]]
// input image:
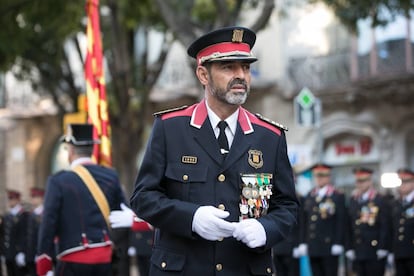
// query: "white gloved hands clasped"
[[337, 249], [20, 259], [123, 218], [251, 232], [209, 223]]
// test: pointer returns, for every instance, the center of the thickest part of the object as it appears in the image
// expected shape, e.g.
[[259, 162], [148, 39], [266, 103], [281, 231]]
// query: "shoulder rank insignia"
[[271, 122], [159, 113]]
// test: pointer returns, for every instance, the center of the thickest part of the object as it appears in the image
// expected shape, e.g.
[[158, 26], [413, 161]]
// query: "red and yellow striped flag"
[[95, 86]]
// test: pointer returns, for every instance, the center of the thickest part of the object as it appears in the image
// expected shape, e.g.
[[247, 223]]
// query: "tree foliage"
[[35, 33], [350, 11]]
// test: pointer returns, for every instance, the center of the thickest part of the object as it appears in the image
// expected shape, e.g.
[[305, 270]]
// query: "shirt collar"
[[81, 160], [231, 120], [409, 197]]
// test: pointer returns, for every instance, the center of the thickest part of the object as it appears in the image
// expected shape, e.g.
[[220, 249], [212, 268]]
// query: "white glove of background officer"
[[337, 249], [381, 253], [302, 250], [350, 254], [121, 218], [209, 223], [251, 232], [20, 259]]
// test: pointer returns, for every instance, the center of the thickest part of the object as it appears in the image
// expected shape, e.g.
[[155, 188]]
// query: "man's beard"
[[229, 97]]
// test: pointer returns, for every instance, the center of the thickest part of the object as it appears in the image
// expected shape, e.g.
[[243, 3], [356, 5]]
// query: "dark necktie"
[[222, 138]]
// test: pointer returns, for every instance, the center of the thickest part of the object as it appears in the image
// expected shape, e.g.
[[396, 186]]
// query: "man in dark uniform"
[[72, 218], [403, 225], [36, 196], [14, 237], [216, 181], [368, 233], [322, 234]]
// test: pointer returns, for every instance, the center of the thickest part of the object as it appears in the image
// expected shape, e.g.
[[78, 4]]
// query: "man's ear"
[[202, 75]]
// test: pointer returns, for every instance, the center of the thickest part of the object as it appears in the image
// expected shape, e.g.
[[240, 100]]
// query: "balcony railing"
[[388, 59]]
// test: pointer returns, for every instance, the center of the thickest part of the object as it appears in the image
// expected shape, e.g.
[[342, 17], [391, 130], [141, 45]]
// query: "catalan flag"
[[97, 106]]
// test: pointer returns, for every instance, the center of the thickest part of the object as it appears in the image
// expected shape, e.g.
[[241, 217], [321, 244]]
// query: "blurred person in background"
[[15, 224], [76, 212], [403, 225], [367, 237], [35, 217], [322, 234]]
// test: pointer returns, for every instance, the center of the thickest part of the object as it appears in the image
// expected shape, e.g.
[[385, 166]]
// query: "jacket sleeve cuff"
[[140, 225], [43, 264]]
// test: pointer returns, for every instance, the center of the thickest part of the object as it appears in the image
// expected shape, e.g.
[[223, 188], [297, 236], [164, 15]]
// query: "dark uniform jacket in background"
[[183, 170], [368, 226], [71, 211], [15, 234], [403, 229], [323, 222]]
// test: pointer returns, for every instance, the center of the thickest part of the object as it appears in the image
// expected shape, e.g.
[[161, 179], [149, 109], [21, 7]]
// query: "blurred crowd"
[[365, 233]]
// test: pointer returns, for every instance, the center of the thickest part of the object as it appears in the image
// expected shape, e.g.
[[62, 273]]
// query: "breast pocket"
[[179, 179]]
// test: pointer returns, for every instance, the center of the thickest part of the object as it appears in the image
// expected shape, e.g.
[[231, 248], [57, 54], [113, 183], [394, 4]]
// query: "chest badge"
[[255, 159], [189, 159]]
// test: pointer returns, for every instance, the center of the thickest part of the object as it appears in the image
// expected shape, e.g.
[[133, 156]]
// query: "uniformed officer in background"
[[72, 216], [368, 228], [14, 237], [403, 225], [35, 217], [215, 180], [322, 234], [285, 253]]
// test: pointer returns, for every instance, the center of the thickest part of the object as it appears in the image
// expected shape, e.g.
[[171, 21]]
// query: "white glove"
[[20, 259], [132, 251], [295, 253], [49, 273], [209, 223], [350, 254], [122, 218], [337, 249], [302, 249], [251, 232], [390, 259], [381, 253]]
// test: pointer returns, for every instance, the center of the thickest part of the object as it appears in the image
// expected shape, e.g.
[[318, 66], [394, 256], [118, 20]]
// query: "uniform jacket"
[[14, 239], [71, 215], [368, 226], [33, 224], [183, 170], [323, 222], [403, 229]]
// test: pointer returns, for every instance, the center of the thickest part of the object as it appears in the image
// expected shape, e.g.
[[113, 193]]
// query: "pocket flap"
[[167, 261]]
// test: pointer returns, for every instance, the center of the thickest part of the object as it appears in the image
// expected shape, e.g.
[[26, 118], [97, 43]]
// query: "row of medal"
[[256, 190]]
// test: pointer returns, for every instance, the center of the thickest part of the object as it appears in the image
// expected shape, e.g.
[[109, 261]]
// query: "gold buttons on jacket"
[[185, 177], [221, 177], [314, 217], [269, 270], [163, 264], [401, 237], [222, 207], [374, 242], [219, 267]]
